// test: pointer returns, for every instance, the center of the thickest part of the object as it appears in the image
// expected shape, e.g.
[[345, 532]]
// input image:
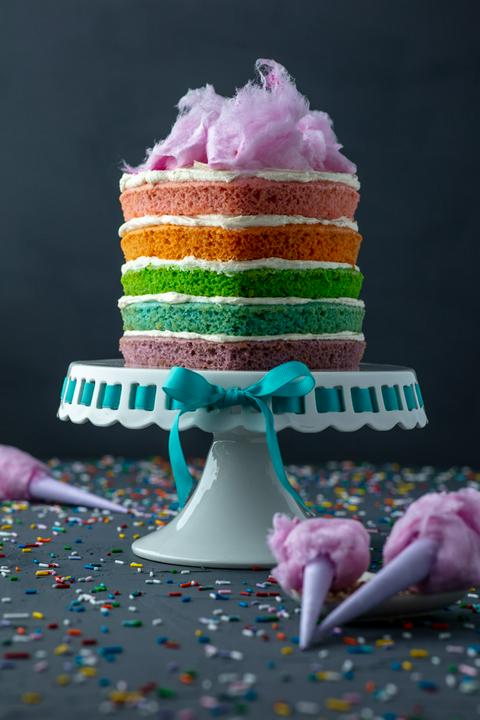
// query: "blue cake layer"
[[229, 319]]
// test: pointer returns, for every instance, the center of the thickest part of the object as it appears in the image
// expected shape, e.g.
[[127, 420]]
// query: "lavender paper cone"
[[407, 569], [48, 489], [317, 580]]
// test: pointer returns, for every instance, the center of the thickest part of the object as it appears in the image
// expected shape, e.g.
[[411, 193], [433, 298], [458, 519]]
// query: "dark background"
[[86, 83]]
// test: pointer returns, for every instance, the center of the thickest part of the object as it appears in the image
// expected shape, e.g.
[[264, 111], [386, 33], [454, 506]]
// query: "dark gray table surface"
[[113, 640]]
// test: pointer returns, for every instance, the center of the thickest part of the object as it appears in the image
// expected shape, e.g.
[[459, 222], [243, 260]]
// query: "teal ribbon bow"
[[192, 391]]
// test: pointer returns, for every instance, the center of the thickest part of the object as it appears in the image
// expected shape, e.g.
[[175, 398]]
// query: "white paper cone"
[[407, 569], [317, 580], [51, 490]]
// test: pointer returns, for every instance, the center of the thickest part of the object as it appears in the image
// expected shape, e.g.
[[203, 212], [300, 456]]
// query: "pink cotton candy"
[[267, 124], [295, 543], [453, 521], [17, 470]]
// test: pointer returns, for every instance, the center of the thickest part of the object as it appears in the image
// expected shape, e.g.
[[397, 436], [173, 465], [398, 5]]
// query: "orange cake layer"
[[244, 196], [292, 242]]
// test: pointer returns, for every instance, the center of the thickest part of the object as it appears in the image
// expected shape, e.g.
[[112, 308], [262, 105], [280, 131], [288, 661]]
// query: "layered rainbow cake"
[[240, 241]]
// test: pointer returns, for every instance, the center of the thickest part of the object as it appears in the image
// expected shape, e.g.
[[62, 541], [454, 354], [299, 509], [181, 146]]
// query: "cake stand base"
[[229, 514], [226, 520]]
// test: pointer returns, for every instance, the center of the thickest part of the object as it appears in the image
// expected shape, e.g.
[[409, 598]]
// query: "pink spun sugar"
[[453, 521], [295, 543], [265, 125]]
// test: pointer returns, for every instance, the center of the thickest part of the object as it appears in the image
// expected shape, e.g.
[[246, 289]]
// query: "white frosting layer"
[[173, 298], [233, 222], [230, 266], [202, 173], [344, 335]]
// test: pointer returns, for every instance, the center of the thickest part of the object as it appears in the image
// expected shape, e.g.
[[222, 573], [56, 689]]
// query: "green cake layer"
[[259, 282], [245, 320]]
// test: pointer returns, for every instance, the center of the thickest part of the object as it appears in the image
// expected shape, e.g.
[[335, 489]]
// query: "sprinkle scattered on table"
[[175, 643]]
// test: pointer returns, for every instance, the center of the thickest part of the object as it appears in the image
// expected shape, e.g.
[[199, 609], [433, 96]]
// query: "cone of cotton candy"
[[314, 556], [22, 477], [434, 547]]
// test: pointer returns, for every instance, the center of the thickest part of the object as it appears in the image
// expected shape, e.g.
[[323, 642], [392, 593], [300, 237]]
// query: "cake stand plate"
[[405, 604], [227, 517]]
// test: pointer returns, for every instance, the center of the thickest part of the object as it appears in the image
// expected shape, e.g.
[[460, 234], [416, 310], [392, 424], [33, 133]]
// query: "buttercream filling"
[[202, 173], [233, 222], [174, 298], [344, 335], [231, 266]]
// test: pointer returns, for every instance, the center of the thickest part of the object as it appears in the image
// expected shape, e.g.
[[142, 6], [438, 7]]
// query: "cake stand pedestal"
[[226, 519]]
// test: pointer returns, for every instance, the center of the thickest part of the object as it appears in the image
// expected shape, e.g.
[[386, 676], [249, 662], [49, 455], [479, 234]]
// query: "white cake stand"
[[226, 519]]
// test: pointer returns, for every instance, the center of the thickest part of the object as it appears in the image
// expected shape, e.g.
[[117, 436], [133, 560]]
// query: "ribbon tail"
[[275, 454], [183, 479]]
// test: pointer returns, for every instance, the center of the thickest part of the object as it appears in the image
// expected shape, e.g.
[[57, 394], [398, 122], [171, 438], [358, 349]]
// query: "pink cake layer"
[[145, 351], [245, 196]]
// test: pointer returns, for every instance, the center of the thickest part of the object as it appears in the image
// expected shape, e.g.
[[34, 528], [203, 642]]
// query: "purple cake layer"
[[145, 351]]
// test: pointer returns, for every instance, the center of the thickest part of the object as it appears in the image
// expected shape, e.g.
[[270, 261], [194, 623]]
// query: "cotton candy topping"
[[453, 521], [266, 124], [295, 543]]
